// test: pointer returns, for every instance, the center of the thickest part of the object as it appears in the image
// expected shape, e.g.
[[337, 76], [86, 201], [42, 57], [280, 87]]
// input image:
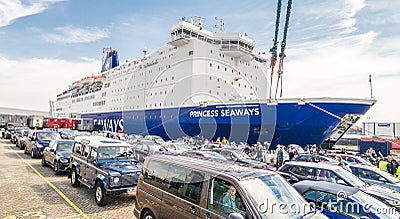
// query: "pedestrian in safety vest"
[[383, 165]]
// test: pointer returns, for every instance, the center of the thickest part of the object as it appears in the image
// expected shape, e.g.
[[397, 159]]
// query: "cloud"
[[31, 83], [70, 34], [340, 68], [11, 10]]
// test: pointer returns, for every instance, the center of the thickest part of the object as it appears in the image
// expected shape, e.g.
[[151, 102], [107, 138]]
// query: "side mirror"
[[235, 216], [382, 179], [293, 179], [340, 181]]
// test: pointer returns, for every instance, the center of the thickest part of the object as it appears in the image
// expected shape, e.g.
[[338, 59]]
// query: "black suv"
[[108, 165]]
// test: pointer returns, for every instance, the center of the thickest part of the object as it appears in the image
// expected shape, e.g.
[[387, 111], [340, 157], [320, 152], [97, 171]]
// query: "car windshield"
[[275, 192], [112, 152], [350, 178], [65, 146], [386, 175], [374, 205], [363, 161], [48, 136]]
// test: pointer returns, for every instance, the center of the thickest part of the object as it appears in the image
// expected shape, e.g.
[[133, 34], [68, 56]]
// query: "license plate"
[[131, 190]]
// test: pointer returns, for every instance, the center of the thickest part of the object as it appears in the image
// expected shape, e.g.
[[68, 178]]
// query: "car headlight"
[[63, 160], [114, 180]]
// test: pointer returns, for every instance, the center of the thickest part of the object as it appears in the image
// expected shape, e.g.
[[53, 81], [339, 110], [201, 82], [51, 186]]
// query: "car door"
[[50, 152], [31, 142], [302, 172], [183, 193], [91, 169], [86, 169], [221, 201]]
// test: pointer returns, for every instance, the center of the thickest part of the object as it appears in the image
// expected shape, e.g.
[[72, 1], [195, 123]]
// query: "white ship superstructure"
[[195, 67]]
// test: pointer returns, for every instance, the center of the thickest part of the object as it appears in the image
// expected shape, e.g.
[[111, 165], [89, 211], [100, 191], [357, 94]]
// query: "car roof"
[[44, 131], [212, 166], [306, 185], [312, 164], [344, 155], [361, 165], [100, 141]]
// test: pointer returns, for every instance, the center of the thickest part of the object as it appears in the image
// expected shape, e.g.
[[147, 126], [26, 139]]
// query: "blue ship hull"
[[283, 123]]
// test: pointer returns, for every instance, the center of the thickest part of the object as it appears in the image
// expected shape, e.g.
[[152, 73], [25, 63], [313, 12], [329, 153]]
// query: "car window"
[[86, 150], [326, 175], [77, 148], [223, 198], [350, 208], [302, 171], [93, 154], [367, 174], [176, 180], [304, 158], [311, 196], [53, 144], [352, 160], [64, 146]]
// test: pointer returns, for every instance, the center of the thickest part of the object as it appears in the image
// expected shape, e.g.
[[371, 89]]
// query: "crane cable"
[[274, 48], [283, 47]]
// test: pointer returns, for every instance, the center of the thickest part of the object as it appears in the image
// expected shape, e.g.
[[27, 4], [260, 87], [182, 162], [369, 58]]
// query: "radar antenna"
[[198, 21], [219, 25]]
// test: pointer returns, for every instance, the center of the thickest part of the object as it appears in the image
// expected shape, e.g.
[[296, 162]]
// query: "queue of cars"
[[177, 180]]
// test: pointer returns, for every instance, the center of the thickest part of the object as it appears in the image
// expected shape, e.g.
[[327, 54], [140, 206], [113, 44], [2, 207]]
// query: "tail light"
[[137, 192]]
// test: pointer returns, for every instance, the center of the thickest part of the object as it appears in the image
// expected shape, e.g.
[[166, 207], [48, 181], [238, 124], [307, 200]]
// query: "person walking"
[[279, 156], [383, 165], [291, 153], [392, 165]]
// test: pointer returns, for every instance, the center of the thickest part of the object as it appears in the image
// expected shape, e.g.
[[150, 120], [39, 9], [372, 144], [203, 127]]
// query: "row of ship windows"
[[226, 69], [91, 97], [169, 116], [142, 85], [147, 106], [245, 86], [99, 103], [240, 61], [133, 97]]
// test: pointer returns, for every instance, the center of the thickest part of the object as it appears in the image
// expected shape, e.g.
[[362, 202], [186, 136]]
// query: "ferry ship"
[[204, 83]]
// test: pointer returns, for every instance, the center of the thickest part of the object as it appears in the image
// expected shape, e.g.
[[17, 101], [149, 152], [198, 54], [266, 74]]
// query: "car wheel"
[[32, 153], [55, 168], [74, 178], [26, 150], [43, 162], [21, 147], [100, 194], [148, 215]]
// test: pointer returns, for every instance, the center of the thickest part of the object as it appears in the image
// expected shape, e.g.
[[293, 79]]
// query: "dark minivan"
[[176, 186]]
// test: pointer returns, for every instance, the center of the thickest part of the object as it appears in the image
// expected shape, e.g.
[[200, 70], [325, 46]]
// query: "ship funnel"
[[110, 59]]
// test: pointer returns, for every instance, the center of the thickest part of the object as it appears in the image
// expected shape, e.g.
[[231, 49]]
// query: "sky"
[[332, 45]]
